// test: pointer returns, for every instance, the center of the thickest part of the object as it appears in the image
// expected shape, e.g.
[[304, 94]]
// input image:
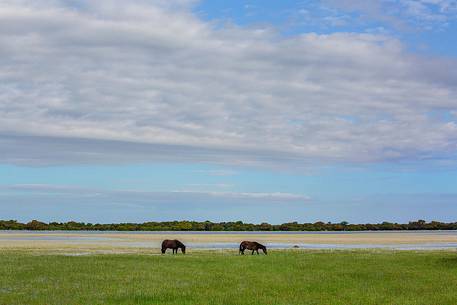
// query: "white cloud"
[[178, 196], [116, 81], [217, 172], [277, 196]]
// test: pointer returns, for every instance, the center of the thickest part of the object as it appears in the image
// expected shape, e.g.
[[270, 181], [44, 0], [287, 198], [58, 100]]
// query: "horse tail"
[[241, 248]]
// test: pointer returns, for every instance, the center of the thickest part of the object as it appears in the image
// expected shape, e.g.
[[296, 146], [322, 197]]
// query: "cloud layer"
[[121, 82], [153, 197]]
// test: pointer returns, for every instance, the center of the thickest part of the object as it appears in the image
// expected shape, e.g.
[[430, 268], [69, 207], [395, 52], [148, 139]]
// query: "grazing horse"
[[173, 244], [252, 245]]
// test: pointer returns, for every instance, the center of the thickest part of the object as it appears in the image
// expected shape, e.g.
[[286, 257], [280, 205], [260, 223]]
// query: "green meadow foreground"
[[283, 277]]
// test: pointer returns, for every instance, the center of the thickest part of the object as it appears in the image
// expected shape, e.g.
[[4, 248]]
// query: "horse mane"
[[180, 244]]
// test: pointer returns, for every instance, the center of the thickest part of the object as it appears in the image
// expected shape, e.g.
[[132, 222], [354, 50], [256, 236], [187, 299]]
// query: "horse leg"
[[257, 251], [252, 253]]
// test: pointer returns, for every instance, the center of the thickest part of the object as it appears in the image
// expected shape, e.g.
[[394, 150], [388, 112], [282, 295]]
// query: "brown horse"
[[174, 245], [252, 245]]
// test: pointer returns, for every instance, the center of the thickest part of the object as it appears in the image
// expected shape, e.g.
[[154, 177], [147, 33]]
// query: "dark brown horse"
[[174, 245], [252, 245]]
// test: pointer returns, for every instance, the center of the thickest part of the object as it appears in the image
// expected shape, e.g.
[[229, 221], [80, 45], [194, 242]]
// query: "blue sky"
[[257, 111], [430, 29]]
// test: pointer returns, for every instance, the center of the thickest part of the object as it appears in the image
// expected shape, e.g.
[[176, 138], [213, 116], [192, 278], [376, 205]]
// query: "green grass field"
[[199, 278]]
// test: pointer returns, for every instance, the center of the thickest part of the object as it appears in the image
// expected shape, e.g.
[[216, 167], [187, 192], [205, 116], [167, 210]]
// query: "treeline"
[[225, 226]]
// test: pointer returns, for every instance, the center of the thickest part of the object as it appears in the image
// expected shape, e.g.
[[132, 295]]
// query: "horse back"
[[167, 243], [251, 245]]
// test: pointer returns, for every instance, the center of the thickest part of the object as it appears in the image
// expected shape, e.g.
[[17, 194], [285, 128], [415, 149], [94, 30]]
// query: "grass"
[[200, 278]]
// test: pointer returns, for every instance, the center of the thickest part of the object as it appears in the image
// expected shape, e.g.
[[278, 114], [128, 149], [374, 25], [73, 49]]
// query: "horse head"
[[264, 249]]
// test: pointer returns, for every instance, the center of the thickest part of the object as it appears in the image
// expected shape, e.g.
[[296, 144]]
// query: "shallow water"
[[422, 232], [234, 246], [122, 239]]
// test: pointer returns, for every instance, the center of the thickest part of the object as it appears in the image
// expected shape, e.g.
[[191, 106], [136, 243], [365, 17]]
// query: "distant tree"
[[265, 226], [36, 225], [225, 226]]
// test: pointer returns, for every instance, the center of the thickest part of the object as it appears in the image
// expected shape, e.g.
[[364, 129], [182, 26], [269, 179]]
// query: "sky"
[[259, 111]]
